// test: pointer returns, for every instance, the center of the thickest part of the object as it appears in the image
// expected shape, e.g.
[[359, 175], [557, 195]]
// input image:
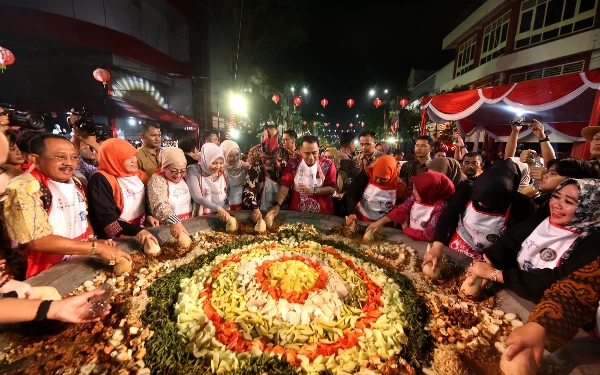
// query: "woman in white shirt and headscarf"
[[207, 183], [235, 173]]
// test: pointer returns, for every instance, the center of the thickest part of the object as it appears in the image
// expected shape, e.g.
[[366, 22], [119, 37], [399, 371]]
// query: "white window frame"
[[466, 46], [544, 72], [493, 28], [577, 17]]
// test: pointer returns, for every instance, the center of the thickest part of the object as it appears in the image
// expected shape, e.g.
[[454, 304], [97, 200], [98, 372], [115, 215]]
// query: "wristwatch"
[[94, 246], [275, 203], [544, 139], [495, 275]]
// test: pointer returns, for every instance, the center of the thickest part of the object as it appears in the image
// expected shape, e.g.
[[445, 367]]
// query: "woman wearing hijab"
[[450, 168], [342, 178], [262, 181], [235, 173], [374, 191], [418, 215], [530, 258], [477, 214], [168, 194], [117, 193], [207, 183]]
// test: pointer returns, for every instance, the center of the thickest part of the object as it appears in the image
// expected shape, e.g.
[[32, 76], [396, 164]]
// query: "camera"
[[83, 121], [23, 119], [520, 121]]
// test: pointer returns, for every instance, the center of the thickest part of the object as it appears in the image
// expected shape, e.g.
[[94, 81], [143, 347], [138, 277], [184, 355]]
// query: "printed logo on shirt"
[[82, 216], [527, 265], [389, 205], [547, 254], [492, 237], [63, 206], [423, 224]]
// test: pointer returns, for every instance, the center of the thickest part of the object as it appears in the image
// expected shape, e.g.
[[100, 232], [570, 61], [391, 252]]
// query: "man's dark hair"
[[186, 144], [101, 138], [291, 133], [310, 139], [426, 138], [208, 135], [37, 145], [24, 138], [269, 126], [440, 150], [346, 139], [367, 133], [146, 125], [575, 168], [398, 152], [473, 154]]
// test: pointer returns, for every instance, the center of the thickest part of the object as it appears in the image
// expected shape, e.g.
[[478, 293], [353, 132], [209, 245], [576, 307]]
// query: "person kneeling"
[[418, 215]]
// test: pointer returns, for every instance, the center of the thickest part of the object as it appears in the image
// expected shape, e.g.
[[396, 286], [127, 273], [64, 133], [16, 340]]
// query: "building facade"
[[145, 44], [508, 41]]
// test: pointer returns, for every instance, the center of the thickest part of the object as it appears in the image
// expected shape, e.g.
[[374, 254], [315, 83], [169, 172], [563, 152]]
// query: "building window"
[[543, 20], [494, 39], [466, 56], [551, 71]]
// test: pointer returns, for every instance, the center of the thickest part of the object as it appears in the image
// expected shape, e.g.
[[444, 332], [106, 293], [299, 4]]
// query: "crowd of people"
[[532, 228]]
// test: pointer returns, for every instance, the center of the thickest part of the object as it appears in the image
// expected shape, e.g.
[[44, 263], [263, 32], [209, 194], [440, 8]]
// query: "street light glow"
[[305, 91], [292, 88], [385, 91], [391, 140], [238, 104], [371, 92], [235, 134]]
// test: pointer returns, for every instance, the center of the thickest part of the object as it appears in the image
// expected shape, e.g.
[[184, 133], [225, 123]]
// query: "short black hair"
[[310, 139], [24, 138], [398, 152], [269, 126], [37, 145], [473, 154], [186, 144], [146, 125], [12, 137], [426, 138], [292, 133], [575, 168], [440, 150], [101, 138], [207, 135], [367, 133], [346, 139]]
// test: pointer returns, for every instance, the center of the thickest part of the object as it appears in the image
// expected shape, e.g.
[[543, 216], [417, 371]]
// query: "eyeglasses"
[[176, 172], [473, 163], [63, 158]]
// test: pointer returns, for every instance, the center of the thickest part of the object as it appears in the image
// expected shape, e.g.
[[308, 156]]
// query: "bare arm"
[[325, 190], [460, 150], [511, 144], [62, 245], [547, 151]]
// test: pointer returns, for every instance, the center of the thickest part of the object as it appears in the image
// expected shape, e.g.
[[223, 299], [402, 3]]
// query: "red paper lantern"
[[377, 102], [362, 124], [297, 101], [325, 124], [324, 102], [337, 125], [275, 98], [6, 58], [351, 124], [403, 102], [102, 75], [350, 102]]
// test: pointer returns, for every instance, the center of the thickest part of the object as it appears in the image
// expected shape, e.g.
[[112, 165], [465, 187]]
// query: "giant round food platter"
[[300, 298]]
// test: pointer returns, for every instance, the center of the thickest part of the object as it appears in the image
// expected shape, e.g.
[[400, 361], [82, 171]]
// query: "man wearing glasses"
[[45, 209], [472, 165]]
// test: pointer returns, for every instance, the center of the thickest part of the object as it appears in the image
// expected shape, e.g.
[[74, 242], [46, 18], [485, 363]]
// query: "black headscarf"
[[496, 187]]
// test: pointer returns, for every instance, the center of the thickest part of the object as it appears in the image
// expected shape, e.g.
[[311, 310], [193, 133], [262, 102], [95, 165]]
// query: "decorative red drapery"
[[563, 103]]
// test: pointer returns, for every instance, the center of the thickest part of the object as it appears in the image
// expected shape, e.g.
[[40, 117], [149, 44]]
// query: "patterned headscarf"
[[586, 218]]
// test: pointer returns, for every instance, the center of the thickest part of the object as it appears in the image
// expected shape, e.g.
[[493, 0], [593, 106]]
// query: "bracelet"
[[495, 275], [94, 246], [42, 312], [544, 140], [4, 282], [315, 191]]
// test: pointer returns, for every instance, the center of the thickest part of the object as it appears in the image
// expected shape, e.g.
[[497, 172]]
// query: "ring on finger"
[[111, 263]]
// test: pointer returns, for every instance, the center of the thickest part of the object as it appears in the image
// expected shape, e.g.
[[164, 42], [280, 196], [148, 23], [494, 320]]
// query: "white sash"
[[308, 176], [480, 229], [134, 198], [420, 214], [180, 199], [235, 187], [269, 194], [68, 213], [376, 202], [545, 246], [215, 191]]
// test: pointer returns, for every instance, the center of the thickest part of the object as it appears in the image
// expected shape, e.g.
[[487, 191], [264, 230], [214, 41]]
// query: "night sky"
[[352, 47]]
